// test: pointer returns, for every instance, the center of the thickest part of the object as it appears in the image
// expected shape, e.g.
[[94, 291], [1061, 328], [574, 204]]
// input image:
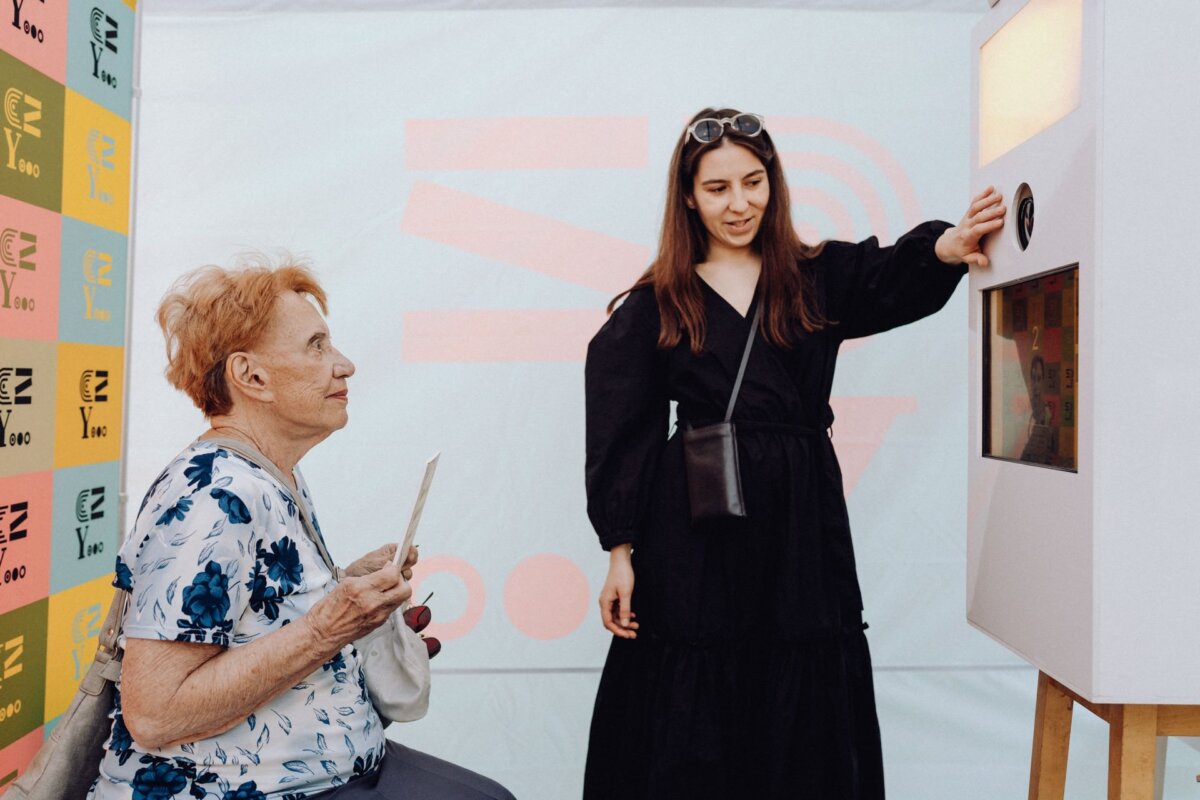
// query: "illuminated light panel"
[[1030, 74]]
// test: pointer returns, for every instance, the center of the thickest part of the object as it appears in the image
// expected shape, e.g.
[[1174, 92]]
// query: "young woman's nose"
[[738, 201]]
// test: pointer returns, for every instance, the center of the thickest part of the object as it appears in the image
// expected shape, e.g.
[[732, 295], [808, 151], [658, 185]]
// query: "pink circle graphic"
[[546, 596], [448, 630]]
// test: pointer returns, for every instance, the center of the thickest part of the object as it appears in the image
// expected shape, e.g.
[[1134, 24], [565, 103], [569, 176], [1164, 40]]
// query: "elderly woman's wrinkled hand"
[[359, 605], [375, 559]]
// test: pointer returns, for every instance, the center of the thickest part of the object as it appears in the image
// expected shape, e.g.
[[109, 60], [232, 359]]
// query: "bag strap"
[[113, 623], [737, 384], [252, 454]]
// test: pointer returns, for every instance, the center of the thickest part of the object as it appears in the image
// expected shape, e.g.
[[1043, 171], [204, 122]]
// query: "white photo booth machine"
[[1083, 553]]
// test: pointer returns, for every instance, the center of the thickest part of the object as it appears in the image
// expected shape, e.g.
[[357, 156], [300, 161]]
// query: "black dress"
[[750, 675]]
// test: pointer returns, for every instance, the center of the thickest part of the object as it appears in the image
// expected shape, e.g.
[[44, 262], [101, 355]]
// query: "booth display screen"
[[1031, 370]]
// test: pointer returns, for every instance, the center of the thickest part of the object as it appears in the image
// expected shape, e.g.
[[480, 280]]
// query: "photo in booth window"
[[1031, 370]]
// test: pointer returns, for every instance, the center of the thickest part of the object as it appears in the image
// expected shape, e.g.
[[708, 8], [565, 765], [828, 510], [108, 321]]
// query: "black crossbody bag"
[[710, 456]]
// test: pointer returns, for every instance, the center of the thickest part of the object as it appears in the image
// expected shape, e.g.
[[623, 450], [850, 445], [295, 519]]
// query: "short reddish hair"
[[212, 313]]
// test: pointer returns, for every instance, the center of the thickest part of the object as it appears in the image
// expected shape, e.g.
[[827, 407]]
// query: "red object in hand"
[[432, 645], [418, 618]]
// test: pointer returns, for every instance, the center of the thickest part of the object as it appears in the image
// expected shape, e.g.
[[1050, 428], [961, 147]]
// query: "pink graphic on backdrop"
[[527, 143], [852, 177], [826, 203], [533, 582], [895, 177], [493, 336], [522, 239], [472, 582], [861, 426], [590, 258], [30, 251]]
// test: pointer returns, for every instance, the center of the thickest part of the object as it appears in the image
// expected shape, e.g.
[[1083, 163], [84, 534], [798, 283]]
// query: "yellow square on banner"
[[72, 633], [96, 153], [88, 405]]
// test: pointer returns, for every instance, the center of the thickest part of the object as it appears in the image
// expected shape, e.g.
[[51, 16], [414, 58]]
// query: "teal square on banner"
[[100, 53], [92, 282], [83, 545]]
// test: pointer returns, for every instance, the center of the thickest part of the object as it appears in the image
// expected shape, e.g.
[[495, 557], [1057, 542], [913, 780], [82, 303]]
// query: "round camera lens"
[[1023, 200]]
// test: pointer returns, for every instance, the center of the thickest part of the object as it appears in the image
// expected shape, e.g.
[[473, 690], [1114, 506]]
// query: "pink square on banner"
[[26, 505], [36, 32], [15, 757], [30, 246]]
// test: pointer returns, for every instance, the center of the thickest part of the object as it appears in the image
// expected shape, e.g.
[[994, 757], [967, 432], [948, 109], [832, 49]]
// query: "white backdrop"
[[472, 186]]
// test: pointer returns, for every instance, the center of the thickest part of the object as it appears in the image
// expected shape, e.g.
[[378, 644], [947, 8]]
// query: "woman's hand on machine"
[[615, 610], [962, 242]]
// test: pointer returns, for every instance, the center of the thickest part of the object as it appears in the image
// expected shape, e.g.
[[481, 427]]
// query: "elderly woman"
[[241, 680]]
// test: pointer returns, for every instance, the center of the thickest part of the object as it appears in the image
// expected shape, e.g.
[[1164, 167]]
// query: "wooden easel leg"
[[1160, 766], [1051, 741], [1132, 752]]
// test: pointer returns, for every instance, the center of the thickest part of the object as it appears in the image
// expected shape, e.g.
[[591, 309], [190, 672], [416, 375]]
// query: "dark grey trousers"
[[407, 774]]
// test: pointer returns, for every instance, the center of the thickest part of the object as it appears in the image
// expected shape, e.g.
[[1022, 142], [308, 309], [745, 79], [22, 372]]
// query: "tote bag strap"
[[252, 454], [111, 632], [737, 384]]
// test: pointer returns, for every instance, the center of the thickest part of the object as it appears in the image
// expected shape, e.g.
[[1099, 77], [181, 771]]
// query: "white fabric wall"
[[320, 133]]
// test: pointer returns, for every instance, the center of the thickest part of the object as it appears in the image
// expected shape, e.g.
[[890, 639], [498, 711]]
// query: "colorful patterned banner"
[[66, 74]]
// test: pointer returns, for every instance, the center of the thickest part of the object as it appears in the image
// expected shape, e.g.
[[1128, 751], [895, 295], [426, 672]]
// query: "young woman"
[[739, 667]]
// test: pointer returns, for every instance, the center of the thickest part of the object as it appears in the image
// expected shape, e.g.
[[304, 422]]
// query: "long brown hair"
[[786, 287]]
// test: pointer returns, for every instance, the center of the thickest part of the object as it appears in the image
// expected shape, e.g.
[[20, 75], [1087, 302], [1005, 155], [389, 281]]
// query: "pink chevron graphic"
[[527, 143], [522, 239], [861, 426]]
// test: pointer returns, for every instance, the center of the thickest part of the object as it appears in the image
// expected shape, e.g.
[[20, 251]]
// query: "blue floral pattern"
[[124, 576], [206, 602], [175, 512], [120, 743], [232, 505], [219, 555], [160, 780], [283, 564], [247, 791]]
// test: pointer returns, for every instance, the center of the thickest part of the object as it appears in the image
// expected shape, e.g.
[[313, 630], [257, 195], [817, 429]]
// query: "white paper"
[[418, 507]]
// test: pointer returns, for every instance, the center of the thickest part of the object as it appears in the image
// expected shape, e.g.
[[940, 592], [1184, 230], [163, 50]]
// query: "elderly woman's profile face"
[[307, 374]]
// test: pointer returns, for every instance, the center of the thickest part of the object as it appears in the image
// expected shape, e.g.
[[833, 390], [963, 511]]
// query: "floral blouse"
[[219, 555]]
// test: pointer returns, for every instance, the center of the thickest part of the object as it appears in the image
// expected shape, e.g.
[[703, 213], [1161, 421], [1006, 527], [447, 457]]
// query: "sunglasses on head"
[[710, 129]]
